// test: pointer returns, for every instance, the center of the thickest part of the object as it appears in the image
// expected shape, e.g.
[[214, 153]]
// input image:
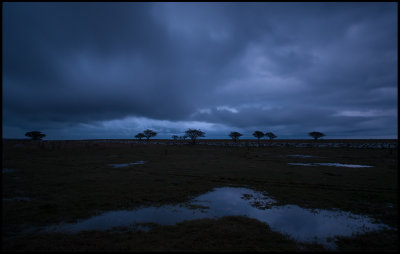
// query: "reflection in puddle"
[[17, 199], [331, 164], [304, 225], [303, 156], [126, 164], [8, 170]]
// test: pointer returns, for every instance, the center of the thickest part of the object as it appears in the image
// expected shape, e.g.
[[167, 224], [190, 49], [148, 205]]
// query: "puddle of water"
[[8, 170], [126, 164], [304, 225], [303, 164], [331, 164], [390, 205], [344, 165], [302, 156], [17, 199]]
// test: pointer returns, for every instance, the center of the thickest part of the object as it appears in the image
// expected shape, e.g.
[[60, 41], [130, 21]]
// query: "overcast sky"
[[112, 70]]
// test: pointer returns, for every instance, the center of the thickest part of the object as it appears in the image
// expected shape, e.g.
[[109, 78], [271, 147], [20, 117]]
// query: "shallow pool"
[[120, 165], [303, 156], [8, 170], [17, 199], [331, 164], [304, 225]]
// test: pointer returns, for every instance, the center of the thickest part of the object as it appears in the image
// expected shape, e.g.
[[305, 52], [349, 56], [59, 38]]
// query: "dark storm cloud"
[[85, 59], [285, 66]]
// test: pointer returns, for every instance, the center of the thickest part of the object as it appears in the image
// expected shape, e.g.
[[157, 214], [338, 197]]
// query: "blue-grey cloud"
[[290, 67]]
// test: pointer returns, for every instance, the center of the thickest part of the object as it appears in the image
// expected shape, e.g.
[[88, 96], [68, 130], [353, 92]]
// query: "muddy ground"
[[60, 181]]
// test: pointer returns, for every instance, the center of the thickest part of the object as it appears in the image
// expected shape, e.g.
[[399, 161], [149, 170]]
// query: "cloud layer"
[[92, 70]]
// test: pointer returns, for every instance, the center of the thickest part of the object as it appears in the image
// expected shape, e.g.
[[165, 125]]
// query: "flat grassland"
[[70, 180]]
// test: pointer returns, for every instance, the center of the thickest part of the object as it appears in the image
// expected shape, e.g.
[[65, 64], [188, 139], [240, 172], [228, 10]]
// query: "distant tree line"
[[193, 134], [146, 134], [259, 134]]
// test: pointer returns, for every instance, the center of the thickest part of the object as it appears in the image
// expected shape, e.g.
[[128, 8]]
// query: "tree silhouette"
[[235, 135], [258, 135], [149, 133], [175, 137], [270, 135], [140, 136], [35, 135], [316, 135], [194, 134]]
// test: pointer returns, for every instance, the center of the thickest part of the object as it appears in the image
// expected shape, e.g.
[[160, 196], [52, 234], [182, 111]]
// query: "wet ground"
[[183, 189]]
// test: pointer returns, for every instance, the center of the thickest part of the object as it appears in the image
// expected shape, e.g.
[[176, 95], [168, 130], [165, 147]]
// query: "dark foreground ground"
[[67, 181]]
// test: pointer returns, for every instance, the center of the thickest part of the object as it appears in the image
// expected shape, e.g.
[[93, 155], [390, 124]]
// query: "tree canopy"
[[140, 136], [194, 134], [270, 135], [235, 135], [149, 133], [35, 135], [316, 135], [258, 134]]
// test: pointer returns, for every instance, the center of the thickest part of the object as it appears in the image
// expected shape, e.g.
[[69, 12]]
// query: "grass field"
[[66, 181]]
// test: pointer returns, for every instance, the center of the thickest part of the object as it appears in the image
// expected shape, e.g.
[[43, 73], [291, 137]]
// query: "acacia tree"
[[35, 135], [175, 137], [194, 134], [258, 135], [140, 136], [235, 135], [149, 133], [316, 135], [270, 135]]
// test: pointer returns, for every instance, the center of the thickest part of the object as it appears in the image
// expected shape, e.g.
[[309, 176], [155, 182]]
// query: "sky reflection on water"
[[304, 225], [331, 164], [120, 165], [17, 199], [303, 156], [8, 170]]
